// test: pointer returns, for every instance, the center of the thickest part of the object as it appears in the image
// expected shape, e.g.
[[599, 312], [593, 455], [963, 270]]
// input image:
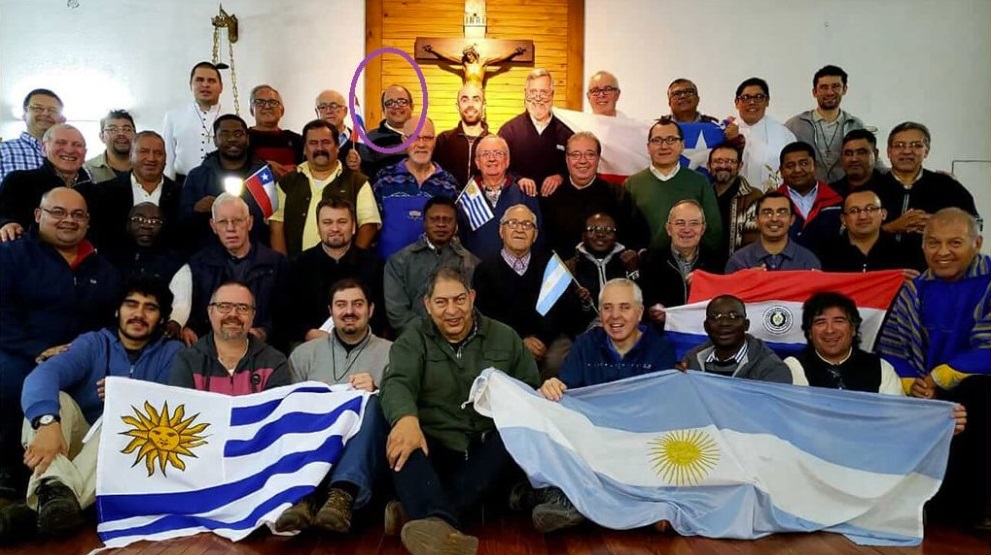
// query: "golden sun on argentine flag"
[[684, 457]]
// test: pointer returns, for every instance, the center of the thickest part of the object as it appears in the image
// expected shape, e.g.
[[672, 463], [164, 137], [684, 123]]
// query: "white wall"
[[136, 54]]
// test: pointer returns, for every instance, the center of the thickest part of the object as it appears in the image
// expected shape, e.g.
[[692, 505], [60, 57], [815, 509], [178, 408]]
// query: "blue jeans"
[[363, 460]]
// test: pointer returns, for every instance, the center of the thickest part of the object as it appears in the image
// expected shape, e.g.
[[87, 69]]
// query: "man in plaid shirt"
[[42, 109]]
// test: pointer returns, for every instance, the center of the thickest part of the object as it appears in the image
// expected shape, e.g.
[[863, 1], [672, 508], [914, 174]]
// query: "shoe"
[[18, 523], [296, 518], [662, 526], [9, 493], [395, 518], [522, 497], [434, 536], [59, 513], [335, 515], [555, 512]]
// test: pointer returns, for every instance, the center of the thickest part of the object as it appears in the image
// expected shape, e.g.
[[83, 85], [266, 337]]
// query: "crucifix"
[[475, 53]]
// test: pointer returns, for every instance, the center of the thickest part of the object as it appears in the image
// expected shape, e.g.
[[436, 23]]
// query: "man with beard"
[[230, 359], [737, 200], [190, 130], [334, 259], [21, 191], [598, 259], [815, 206], [281, 149], [397, 104], [53, 287], [860, 162], [209, 179], [42, 109], [116, 132], [402, 190], [322, 177], [536, 139], [63, 397], [765, 136], [455, 149], [826, 126], [351, 354]]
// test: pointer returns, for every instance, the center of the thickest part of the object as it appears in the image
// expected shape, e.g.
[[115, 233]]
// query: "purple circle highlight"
[[423, 87]]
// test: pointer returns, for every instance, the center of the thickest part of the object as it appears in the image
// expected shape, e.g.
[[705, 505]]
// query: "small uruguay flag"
[[557, 278], [175, 462], [261, 185], [475, 206]]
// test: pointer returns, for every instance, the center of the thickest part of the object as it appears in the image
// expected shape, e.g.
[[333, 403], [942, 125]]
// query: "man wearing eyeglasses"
[[21, 191], [281, 149], [683, 99], [736, 198], [53, 287], [397, 104], [774, 250], [455, 150], [230, 359], [189, 130], [765, 136], [598, 259], [144, 251], [116, 132], [537, 139], [42, 109], [331, 107], [816, 207], [863, 246], [603, 94]]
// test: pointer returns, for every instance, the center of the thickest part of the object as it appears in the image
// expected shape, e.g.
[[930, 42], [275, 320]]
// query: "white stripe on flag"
[[556, 281]]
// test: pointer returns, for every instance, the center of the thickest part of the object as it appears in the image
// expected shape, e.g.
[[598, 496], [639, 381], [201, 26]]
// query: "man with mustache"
[[189, 131], [815, 206], [116, 132], [350, 354], [281, 149], [63, 397], [42, 109], [230, 359], [53, 287], [21, 191], [402, 190], [860, 162], [736, 198], [293, 226], [455, 149]]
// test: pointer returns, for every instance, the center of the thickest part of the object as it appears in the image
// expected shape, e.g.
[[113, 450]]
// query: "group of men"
[[143, 261]]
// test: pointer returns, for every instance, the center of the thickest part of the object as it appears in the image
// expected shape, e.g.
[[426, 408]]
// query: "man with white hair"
[[281, 149], [331, 107]]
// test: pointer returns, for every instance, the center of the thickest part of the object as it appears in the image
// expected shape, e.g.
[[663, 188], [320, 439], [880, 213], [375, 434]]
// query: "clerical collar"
[[581, 187]]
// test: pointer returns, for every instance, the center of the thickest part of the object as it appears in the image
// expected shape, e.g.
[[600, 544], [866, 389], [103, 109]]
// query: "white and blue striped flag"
[[175, 462], [729, 458], [473, 202], [557, 278]]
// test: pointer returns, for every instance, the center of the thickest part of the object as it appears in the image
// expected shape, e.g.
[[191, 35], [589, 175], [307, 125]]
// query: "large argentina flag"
[[774, 304], [176, 462], [729, 458], [624, 142]]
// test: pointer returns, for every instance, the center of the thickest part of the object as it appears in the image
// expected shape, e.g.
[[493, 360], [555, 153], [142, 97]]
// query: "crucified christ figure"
[[474, 65]]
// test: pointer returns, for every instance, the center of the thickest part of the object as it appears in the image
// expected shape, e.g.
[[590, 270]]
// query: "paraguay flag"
[[261, 185], [774, 304]]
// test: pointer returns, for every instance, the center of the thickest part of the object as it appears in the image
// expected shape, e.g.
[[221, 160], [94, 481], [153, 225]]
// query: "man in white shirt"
[[765, 136], [188, 130]]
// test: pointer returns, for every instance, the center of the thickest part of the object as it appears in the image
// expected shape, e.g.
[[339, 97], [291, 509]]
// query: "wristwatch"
[[44, 420]]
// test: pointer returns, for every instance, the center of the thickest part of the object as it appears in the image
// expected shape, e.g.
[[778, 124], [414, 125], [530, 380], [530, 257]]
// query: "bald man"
[[397, 105], [455, 150], [603, 93], [332, 107]]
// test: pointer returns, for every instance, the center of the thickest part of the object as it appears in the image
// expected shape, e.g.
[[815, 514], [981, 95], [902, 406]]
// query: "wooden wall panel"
[[555, 26]]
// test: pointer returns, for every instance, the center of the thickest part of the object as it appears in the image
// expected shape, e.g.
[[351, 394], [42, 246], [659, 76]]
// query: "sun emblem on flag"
[[684, 457], [162, 437]]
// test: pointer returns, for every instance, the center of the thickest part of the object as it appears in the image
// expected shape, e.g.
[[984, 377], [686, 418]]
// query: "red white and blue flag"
[[774, 304], [261, 185], [357, 119]]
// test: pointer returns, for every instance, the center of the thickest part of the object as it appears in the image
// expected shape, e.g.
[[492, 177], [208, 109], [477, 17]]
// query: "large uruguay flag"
[[176, 462], [624, 142], [774, 304], [729, 458]]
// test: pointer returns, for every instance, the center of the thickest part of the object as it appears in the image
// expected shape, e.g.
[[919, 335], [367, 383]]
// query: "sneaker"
[[395, 518], [555, 512], [296, 518], [18, 523], [59, 513], [335, 515], [522, 497], [434, 536]]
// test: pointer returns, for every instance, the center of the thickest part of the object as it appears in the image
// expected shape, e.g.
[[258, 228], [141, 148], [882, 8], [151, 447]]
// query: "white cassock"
[[765, 139]]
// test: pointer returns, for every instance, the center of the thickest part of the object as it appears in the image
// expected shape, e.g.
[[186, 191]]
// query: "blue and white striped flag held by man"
[[557, 278], [176, 462], [473, 202]]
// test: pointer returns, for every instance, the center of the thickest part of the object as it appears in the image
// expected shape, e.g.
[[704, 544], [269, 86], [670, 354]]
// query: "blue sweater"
[[90, 358], [593, 359]]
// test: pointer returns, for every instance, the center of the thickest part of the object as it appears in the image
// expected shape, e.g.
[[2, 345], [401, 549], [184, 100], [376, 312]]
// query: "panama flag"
[[724, 457], [175, 462], [557, 278], [261, 185], [774, 304]]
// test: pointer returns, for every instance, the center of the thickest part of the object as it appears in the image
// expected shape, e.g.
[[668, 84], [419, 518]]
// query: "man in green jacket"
[[431, 368]]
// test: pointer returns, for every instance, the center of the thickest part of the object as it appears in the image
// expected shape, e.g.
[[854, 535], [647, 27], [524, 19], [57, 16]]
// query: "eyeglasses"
[[538, 96], [768, 213], [141, 220], [870, 210], [724, 162], [747, 98], [690, 224], [113, 129], [266, 103], [61, 214], [587, 155], [424, 138], [605, 230], [225, 308], [35, 109], [914, 145], [685, 93], [492, 154], [525, 225], [602, 91], [672, 140], [331, 107], [396, 103], [731, 316], [236, 222]]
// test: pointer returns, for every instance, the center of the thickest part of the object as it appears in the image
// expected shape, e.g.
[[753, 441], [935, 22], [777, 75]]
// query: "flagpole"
[[573, 278]]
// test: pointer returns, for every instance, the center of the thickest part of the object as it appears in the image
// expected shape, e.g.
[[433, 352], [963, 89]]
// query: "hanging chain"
[[237, 104], [230, 54]]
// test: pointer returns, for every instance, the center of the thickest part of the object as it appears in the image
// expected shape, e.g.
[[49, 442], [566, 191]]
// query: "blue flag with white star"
[[699, 140]]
